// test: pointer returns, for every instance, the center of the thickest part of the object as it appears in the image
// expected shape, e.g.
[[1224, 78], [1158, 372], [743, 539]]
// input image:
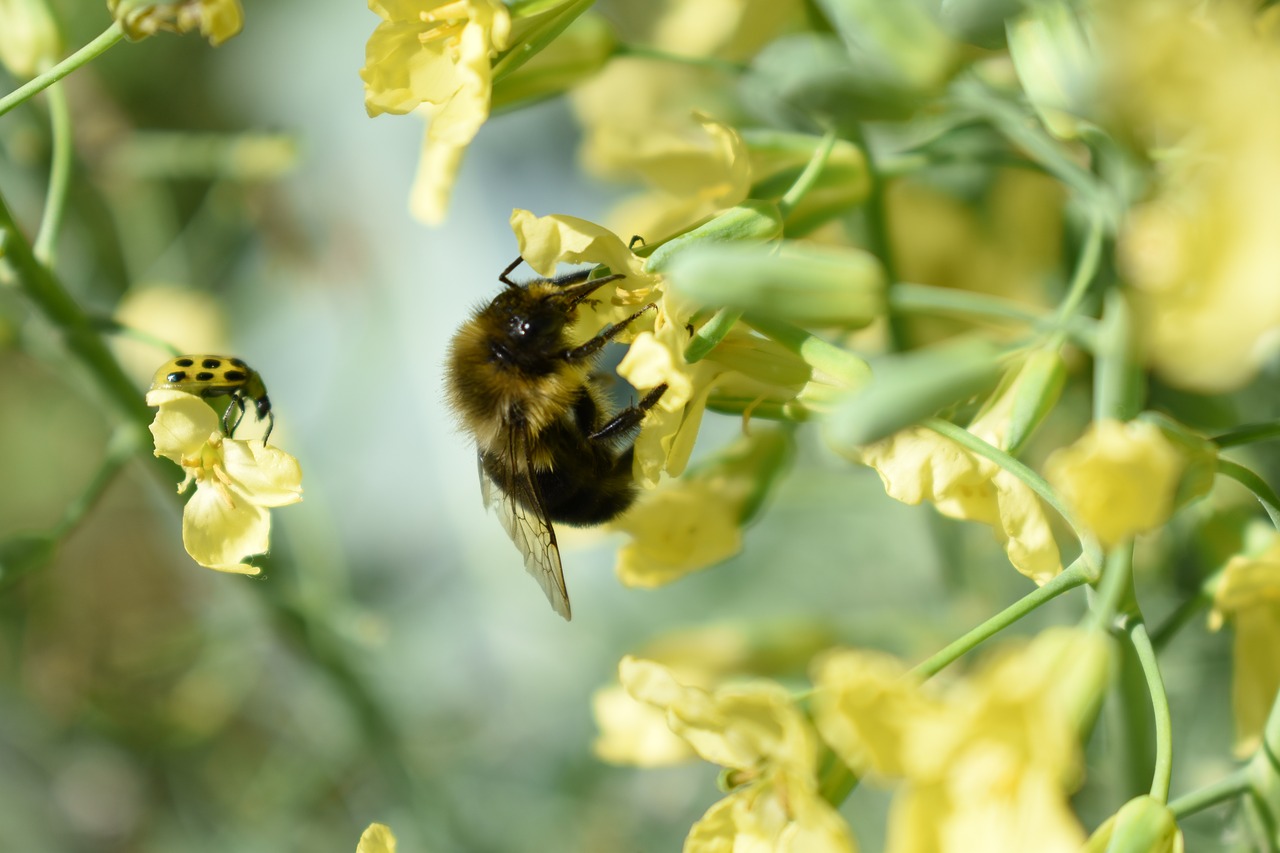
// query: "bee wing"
[[532, 534]]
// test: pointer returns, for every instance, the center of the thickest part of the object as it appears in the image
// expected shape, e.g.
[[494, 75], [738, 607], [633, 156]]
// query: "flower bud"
[[1052, 53], [1039, 384], [1143, 825], [751, 221], [29, 40], [218, 20]]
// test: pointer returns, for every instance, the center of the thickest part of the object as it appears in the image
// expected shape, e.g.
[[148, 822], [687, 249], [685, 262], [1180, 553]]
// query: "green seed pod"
[[574, 56], [797, 283], [905, 389]]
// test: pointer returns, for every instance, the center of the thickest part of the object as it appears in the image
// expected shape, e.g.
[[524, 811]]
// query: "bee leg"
[[606, 334], [511, 266], [630, 417]]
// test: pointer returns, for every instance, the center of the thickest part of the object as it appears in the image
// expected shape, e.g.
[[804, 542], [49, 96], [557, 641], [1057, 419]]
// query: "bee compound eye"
[[520, 327]]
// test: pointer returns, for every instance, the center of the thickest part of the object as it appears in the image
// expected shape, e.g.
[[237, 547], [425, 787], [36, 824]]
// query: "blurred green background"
[[395, 664]]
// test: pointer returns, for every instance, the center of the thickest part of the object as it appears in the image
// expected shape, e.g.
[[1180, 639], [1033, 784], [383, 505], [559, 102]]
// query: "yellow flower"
[[226, 520], [377, 838], [1143, 825], [218, 20], [986, 765], [1119, 478], [435, 55], [770, 753], [917, 464], [696, 521], [1200, 253], [1248, 596], [29, 40]]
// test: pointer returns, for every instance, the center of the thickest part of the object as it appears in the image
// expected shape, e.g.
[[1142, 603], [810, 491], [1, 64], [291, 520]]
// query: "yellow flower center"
[[207, 469]]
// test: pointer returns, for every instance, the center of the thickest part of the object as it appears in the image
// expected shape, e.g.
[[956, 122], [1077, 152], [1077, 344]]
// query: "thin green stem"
[[1075, 575], [1037, 484], [808, 177], [710, 333], [909, 297], [711, 62], [1227, 788], [1185, 612], [47, 293], [1115, 590], [112, 326], [109, 37], [837, 781], [124, 445], [59, 176], [1255, 484], [1086, 270], [1247, 434], [1141, 642]]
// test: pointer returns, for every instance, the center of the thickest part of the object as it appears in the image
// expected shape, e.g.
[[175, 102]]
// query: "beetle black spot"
[[184, 362], [211, 363], [234, 375], [177, 376], [238, 363], [203, 377]]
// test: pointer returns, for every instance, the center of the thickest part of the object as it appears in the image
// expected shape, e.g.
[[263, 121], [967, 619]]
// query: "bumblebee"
[[218, 376], [550, 447]]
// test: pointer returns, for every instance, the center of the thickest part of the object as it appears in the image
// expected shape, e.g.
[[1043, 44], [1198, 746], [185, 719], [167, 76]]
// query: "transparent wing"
[[531, 531]]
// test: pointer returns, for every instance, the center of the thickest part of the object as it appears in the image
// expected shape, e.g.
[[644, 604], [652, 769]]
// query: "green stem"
[[89, 52], [837, 781], [59, 177], [46, 292], [1247, 434], [1086, 270], [1141, 642], [1185, 612], [1075, 575], [710, 334], [908, 297], [124, 445], [641, 52], [1255, 484], [1115, 591], [1227, 788], [878, 241], [807, 178], [1092, 555]]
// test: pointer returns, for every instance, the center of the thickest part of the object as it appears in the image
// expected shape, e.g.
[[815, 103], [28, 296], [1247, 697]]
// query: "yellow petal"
[[219, 531], [1119, 478], [378, 838], [778, 816], [634, 732], [679, 528], [183, 425], [267, 476]]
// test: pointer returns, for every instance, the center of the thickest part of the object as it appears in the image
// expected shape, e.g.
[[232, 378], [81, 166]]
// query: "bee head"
[[530, 319]]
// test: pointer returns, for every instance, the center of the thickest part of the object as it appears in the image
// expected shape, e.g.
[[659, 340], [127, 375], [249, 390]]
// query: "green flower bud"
[[797, 283], [901, 40], [751, 221], [1051, 51], [29, 39], [1039, 384], [906, 388], [1143, 825], [575, 55]]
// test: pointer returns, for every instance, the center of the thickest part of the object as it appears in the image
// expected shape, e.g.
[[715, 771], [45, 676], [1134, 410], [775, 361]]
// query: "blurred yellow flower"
[[1143, 825], [226, 520], [986, 765], [436, 56], [29, 39], [770, 751], [377, 838], [192, 320], [218, 20], [1201, 86], [1119, 478], [1248, 596], [917, 464]]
